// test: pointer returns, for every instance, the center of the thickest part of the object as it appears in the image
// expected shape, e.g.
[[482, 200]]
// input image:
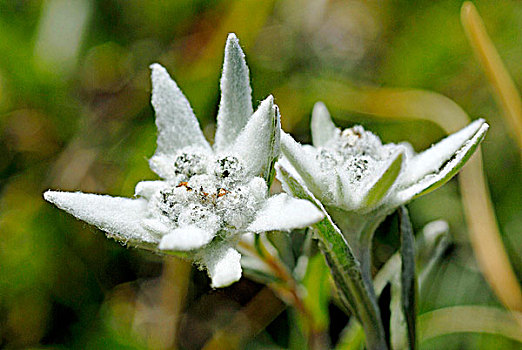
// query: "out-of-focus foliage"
[[75, 115]]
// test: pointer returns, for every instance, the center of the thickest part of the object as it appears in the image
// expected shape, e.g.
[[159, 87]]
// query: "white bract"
[[352, 171], [209, 196]]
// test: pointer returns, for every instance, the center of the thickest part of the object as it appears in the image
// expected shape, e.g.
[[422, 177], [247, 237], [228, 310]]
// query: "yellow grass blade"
[[504, 87]]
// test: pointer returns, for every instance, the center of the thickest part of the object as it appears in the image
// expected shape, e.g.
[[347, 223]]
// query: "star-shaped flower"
[[353, 171], [209, 196]]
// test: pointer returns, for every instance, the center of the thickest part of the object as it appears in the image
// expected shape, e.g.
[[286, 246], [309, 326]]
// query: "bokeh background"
[[75, 115]]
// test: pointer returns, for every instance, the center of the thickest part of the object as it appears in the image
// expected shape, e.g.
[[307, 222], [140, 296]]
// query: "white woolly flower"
[[351, 170], [208, 196]]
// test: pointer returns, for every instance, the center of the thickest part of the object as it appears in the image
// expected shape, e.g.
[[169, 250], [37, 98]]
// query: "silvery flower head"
[[353, 171], [208, 196]]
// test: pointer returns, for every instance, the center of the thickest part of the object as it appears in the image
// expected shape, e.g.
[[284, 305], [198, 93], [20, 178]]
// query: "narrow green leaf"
[[398, 326], [387, 273], [408, 279], [275, 147], [430, 247], [381, 187], [317, 284], [283, 243], [297, 337], [352, 337], [259, 276]]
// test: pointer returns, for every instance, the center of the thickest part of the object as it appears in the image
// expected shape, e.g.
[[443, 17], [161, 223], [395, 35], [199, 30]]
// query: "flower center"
[[210, 193], [353, 150]]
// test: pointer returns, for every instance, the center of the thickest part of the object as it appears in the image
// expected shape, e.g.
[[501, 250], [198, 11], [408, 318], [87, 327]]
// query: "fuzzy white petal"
[[223, 265], [304, 162], [176, 122], [284, 213], [119, 217], [146, 189], [235, 107], [155, 226], [449, 169], [322, 127], [186, 238], [431, 160], [258, 144]]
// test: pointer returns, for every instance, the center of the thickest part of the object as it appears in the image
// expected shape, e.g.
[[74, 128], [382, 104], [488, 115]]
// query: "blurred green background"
[[75, 115]]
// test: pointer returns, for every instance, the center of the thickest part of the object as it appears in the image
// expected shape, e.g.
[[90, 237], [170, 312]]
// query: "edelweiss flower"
[[353, 171], [209, 196]]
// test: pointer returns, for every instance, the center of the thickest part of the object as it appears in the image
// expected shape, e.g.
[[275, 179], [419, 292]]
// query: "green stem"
[[358, 231], [357, 294]]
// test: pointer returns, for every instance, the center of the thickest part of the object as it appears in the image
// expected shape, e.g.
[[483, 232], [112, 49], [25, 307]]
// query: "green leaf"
[[275, 148], [352, 337], [404, 289], [381, 187], [408, 279], [258, 275], [317, 284], [297, 338], [283, 243], [430, 246], [398, 326]]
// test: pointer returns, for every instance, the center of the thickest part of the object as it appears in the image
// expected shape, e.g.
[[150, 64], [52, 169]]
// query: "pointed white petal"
[[162, 165], [186, 238], [119, 217], [293, 184], [431, 160], [323, 129], [348, 195], [258, 144], [433, 181], [177, 124], [284, 213], [156, 227], [342, 191], [223, 265], [146, 189], [304, 161], [235, 107]]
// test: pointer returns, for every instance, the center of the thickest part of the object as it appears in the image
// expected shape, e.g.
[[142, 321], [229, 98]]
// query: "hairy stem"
[[358, 231]]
